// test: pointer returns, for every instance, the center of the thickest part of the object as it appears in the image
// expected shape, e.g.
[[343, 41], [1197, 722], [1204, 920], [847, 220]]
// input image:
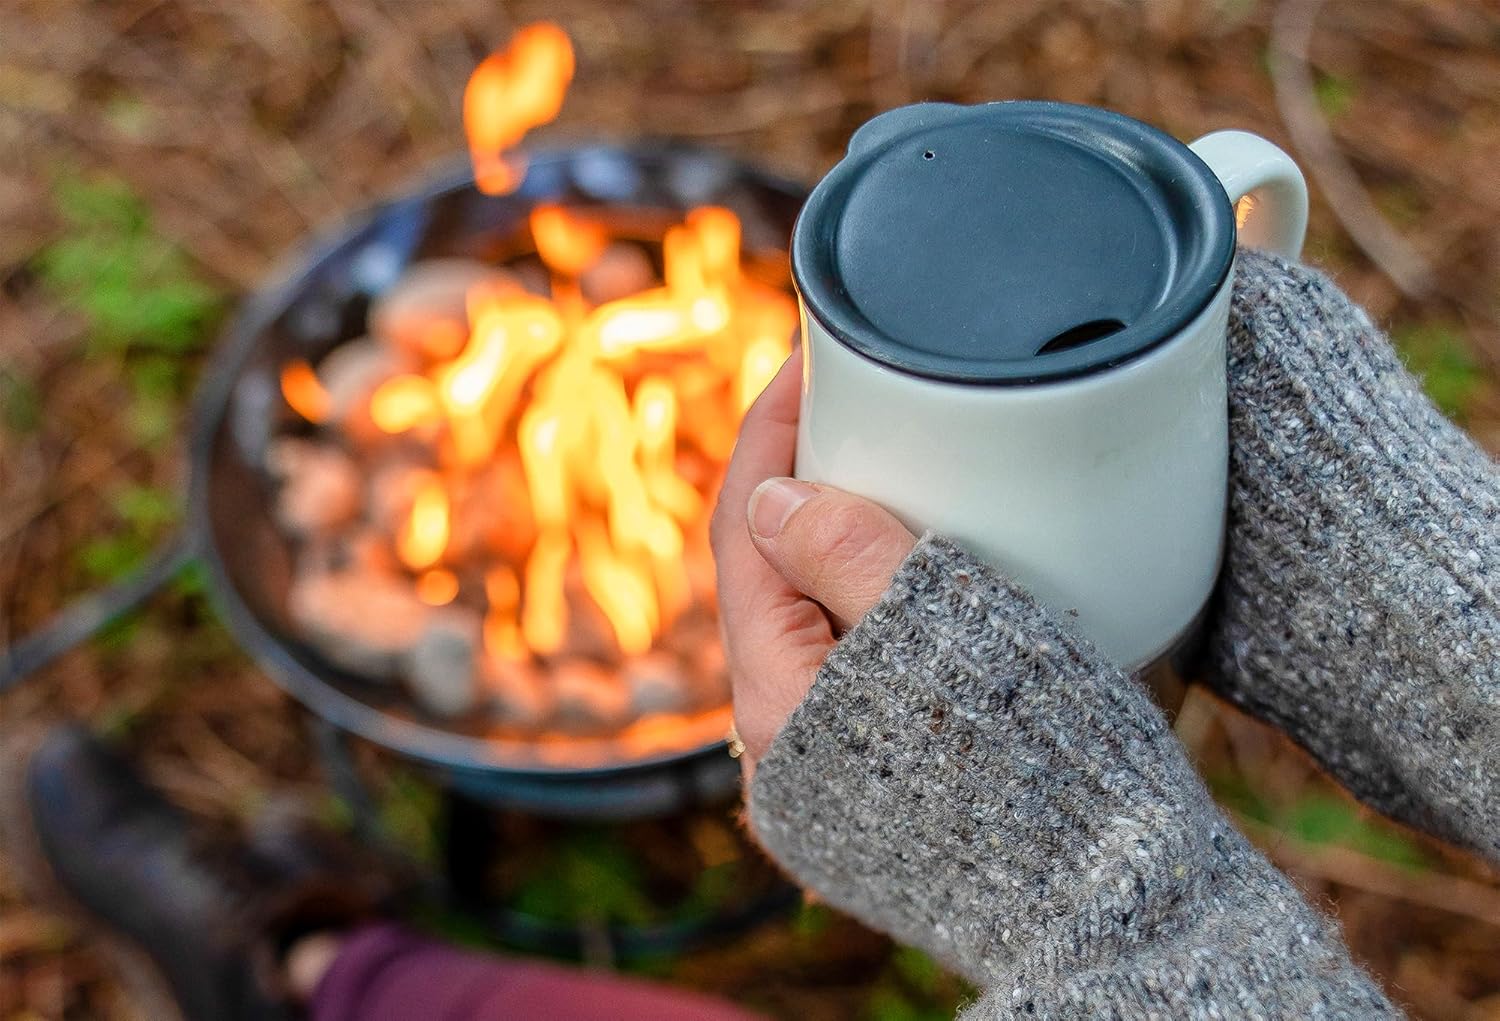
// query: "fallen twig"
[[1454, 894], [1291, 36]]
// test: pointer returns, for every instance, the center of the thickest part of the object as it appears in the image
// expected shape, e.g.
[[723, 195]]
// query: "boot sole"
[[148, 988]]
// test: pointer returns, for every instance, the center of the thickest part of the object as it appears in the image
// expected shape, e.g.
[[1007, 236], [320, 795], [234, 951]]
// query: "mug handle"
[[1267, 189]]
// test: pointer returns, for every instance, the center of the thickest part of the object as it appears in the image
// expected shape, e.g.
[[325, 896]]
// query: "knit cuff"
[[969, 774]]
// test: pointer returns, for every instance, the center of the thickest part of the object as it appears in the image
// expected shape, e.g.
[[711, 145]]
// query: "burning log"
[[590, 698], [321, 488], [657, 684], [351, 372], [393, 488], [365, 622], [367, 550], [521, 699], [492, 513], [620, 271], [425, 314]]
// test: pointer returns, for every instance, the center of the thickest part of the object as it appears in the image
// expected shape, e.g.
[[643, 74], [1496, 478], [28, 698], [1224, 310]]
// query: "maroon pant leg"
[[387, 973]]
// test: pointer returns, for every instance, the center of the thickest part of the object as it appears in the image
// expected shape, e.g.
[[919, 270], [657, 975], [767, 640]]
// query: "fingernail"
[[773, 502]]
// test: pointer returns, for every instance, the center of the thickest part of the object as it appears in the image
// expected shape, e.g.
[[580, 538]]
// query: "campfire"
[[499, 496]]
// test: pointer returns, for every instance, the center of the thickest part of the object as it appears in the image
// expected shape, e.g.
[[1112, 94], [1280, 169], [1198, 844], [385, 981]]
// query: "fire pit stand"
[[318, 302], [470, 841]]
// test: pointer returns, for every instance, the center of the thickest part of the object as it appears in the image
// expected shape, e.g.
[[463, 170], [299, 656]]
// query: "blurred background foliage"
[[157, 155]]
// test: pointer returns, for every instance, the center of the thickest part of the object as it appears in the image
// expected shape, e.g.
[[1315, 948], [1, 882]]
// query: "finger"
[[766, 447], [833, 546], [774, 655], [774, 638]]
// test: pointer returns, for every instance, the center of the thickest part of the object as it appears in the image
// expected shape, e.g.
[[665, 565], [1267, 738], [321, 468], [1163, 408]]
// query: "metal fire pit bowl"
[[321, 301]]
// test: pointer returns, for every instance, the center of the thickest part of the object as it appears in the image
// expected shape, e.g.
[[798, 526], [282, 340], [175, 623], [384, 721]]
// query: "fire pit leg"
[[89, 615], [468, 846], [343, 776]]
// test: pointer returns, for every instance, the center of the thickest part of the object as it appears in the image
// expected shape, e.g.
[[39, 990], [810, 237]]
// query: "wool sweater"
[[970, 775]]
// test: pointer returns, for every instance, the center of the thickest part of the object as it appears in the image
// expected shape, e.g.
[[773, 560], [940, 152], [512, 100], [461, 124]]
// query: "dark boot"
[[198, 925]]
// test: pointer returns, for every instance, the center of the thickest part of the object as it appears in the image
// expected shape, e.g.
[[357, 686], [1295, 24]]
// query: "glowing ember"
[[758, 367], [560, 455], [437, 587]]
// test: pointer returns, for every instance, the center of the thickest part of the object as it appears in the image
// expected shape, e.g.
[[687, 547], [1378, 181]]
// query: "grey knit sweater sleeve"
[[1358, 608], [968, 774]]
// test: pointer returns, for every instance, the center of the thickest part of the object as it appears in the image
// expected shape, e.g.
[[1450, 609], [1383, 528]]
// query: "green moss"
[[1439, 354], [146, 509], [589, 877], [408, 814], [1335, 94], [143, 305], [913, 988], [811, 921], [135, 288], [917, 969], [887, 1003], [111, 557], [1325, 819]]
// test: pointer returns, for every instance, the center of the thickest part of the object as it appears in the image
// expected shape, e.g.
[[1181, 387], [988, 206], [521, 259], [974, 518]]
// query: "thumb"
[[832, 546]]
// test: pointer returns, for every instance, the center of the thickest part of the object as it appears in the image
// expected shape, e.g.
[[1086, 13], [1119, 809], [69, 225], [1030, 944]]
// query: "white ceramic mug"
[[940, 265]]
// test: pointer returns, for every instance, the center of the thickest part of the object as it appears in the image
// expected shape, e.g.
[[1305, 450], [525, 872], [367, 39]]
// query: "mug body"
[[1103, 494]]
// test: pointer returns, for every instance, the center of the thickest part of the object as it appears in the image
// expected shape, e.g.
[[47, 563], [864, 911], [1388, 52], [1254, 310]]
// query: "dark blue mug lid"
[[1011, 243]]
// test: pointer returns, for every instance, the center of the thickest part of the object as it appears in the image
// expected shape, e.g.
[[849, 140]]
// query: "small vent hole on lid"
[[1083, 333], [929, 155]]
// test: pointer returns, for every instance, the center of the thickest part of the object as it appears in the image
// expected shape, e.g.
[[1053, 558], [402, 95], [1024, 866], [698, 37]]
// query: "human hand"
[[797, 564]]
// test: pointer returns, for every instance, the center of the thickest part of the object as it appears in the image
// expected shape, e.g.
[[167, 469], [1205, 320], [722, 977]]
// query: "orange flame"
[[566, 244], [509, 93], [621, 588], [544, 619], [616, 417], [303, 392], [502, 632], [512, 334], [425, 535], [600, 456], [403, 402], [717, 232]]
